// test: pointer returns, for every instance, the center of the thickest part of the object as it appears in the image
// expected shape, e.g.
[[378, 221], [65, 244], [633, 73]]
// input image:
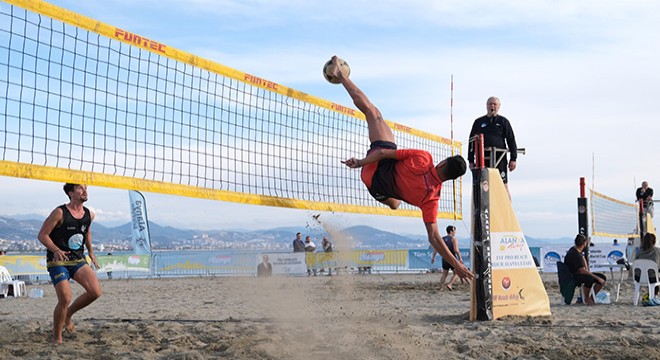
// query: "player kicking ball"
[[410, 175]]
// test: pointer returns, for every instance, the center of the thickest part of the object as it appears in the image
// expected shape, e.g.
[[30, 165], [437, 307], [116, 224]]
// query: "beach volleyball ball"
[[329, 67]]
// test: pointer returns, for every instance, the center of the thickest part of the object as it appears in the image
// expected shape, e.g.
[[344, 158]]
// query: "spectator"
[[298, 244], [109, 272], [265, 268], [645, 193], [578, 266], [3, 252], [615, 242], [648, 251], [327, 245], [327, 248], [310, 247], [498, 134]]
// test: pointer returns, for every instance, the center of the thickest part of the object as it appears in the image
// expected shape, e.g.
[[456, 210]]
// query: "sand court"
[[339, 317]]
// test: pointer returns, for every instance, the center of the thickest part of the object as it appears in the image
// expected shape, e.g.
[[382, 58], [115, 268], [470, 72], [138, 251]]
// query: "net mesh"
[[118, 104], [613, 218]]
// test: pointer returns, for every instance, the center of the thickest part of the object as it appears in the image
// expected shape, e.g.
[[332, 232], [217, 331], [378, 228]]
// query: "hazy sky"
[[577, 79]]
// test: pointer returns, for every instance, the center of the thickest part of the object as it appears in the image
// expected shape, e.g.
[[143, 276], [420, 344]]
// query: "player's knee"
[[394, 204], [95, 293]]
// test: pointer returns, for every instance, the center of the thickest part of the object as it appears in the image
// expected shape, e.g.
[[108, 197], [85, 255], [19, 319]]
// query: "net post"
[[583, 217], [479, 152], [482, 296]]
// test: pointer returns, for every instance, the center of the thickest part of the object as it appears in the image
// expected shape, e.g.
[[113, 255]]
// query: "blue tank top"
[[450, 244]]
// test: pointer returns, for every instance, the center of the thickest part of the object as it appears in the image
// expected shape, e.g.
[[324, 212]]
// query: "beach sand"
[[340, 317]]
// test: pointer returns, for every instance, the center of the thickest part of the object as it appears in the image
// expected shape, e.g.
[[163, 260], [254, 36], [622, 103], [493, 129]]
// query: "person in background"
[[298, 244], [452, 243], [327, 245], [498, 134], [648, 251], [577, 265], [109, 272], [645, 194], [265, 268], [66, 234], [327, 248], [310, 247]]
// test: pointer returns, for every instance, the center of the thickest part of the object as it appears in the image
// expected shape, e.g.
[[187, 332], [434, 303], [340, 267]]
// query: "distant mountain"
[[25, 228], [19, 229]]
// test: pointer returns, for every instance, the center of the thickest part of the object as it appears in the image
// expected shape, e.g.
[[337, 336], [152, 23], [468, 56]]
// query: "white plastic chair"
[[645, 266], [6, 280]]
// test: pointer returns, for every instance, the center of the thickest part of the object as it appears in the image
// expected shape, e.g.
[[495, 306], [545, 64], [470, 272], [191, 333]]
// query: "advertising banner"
[[139, 222], [517, 286]]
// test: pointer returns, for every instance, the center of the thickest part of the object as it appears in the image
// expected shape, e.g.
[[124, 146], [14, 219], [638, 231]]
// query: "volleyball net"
[[613, 218], [87, 102]]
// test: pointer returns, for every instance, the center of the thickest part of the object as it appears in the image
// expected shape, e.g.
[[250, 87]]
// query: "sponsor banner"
[[140, 224], [514, 293], [552, 254], [600, 256], [24, 264], [390, 258], [209, 261], [128, 262], [517, 288], [510, 251], [421, 259], [286, 263]]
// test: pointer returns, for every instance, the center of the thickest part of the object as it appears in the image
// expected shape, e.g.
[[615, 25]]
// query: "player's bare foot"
[[57, 340], [69, 327]]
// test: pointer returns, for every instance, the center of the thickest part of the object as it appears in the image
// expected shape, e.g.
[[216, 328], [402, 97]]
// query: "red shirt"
[[415, 179]]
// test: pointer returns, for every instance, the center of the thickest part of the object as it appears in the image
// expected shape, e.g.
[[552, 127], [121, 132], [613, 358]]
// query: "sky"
[[577, 79]]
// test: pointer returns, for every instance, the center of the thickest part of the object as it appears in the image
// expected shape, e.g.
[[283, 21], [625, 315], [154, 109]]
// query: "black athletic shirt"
[[497, 132], [70, 236]]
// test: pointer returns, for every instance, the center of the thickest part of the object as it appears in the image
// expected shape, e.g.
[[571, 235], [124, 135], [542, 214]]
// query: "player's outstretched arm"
[[373, 156]]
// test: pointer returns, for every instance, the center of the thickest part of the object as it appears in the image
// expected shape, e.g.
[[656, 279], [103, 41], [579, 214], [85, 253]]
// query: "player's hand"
[[432, 260], [472, 166], [512, 165], [334, 70], [352, 163], [60, 255], [463, 272]]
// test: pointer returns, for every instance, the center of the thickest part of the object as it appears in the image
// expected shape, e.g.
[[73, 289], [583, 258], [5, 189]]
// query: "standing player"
[[452, 244], [65, 233], [393, 175]]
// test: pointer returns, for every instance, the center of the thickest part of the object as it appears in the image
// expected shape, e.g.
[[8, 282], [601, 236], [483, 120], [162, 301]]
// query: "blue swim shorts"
[[64, 272]]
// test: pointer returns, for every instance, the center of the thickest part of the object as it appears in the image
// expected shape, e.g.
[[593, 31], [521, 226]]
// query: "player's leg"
[[86, 277], [392, 203], [63, 292], [378, 129]]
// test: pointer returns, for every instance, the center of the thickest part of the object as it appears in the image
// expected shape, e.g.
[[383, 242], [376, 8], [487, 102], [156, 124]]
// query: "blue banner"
[[140, 225]]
